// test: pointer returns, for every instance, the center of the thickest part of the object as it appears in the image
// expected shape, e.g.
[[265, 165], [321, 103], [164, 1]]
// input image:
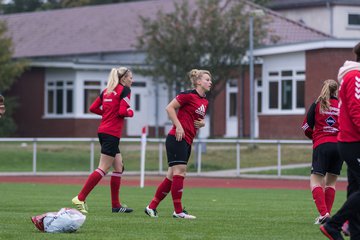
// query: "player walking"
[[191, 107], [113, 105]]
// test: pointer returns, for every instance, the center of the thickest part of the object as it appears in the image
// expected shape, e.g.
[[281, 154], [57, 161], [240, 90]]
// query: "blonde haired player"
[[187, 112]]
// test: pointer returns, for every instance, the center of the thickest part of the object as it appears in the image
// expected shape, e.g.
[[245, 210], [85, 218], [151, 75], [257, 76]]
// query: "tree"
[[213, 35], [9, 70]]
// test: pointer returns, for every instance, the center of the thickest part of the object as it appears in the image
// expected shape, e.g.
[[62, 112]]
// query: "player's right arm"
[[171, 111], [96, 106], [309, 121]]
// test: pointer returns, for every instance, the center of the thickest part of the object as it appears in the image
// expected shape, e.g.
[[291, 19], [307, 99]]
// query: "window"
[[286, 94], [59, 98], [286, 89], [273, 94], [232, 105], [354, 19], [300, 94], [259, 102], [92, 90], [137, 102]]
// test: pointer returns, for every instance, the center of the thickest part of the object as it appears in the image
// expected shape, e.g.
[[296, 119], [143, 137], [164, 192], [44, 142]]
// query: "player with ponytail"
[[113, 105]]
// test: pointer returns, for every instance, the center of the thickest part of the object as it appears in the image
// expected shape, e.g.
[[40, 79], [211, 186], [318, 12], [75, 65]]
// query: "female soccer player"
[[113, 105], [349, 148], [191, 107], [322, 126]]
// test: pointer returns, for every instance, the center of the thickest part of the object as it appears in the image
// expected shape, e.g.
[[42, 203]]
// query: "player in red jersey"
[[349, 148], [322, 126], [113, 105], [191, 107]]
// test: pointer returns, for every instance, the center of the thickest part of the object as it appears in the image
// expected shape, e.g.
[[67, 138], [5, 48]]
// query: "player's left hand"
[[199, 123]]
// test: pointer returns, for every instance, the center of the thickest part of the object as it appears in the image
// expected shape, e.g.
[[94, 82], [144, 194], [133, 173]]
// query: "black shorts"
[[109, 144], [326, 159], [178, 153]]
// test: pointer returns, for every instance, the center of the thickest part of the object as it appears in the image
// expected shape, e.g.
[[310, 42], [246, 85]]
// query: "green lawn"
[[221, 213]]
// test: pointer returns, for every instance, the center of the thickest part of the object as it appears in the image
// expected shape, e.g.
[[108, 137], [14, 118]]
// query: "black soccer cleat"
[[331, 232], [122, 210]]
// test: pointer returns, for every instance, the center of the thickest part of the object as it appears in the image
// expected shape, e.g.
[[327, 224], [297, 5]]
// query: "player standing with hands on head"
[[322, 126], [349, 148], [191, 107], [113, 105]]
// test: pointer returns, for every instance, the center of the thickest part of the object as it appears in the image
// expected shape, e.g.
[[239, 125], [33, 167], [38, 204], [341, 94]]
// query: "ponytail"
[[328, 90], [116, 74]]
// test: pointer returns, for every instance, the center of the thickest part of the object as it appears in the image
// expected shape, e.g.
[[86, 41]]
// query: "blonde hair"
[[196, 74], [116, 74], [329, 89]]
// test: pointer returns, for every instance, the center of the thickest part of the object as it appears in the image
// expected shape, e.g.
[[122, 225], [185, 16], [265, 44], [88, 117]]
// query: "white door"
[[140, 103], [231, 109]]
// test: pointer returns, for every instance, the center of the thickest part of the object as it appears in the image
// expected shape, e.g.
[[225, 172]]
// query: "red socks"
[[161, 192], [329, 197], [319, 199], [176, 192], [91, 182], [115, 182]]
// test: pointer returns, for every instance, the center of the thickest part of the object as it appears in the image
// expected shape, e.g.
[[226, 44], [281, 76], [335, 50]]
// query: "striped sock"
[[115, 182], [91, 182], [176, 192], [319, 199], [161, 192], [329, 197]]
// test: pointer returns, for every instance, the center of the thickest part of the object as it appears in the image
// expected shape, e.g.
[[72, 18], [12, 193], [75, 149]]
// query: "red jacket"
[[113, 108], [322, 127], [349, 94]]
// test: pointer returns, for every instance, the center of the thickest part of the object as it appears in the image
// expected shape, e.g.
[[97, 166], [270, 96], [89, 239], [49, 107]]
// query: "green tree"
[[213, 35], [9, 71]]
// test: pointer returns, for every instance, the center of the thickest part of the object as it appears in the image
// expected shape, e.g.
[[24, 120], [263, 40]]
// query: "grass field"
[[221, 213]]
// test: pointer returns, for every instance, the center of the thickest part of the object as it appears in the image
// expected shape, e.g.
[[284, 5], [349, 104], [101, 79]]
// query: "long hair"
[[329, 89], [196, 74], [116, 74], [356, 50]]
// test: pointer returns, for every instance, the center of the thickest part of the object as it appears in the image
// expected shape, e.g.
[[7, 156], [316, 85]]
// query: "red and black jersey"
[[349, 94], [322, 127], [113, 108], [192, 107]]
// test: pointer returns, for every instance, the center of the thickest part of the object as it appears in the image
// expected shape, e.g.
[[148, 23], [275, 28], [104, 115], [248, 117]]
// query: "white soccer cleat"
[[183, 215], [322, 219], [151, 212]]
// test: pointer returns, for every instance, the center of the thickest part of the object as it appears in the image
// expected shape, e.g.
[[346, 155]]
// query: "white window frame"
[[54, 88], [266, 94], [229, 90], [352, 26]]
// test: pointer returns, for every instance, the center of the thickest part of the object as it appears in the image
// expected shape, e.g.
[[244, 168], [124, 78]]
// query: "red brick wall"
[[219, 114], [280, 127], [321, 64]]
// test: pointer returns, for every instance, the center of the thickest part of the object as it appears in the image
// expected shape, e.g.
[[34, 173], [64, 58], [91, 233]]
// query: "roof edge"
[[304, 46]]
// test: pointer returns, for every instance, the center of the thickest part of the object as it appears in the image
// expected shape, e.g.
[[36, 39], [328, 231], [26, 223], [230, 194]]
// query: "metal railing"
[[199, 144]]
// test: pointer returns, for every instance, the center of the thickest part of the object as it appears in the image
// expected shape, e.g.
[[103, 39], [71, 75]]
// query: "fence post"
[[237, 159], [279, 158], [199, 158], [34, 155]]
